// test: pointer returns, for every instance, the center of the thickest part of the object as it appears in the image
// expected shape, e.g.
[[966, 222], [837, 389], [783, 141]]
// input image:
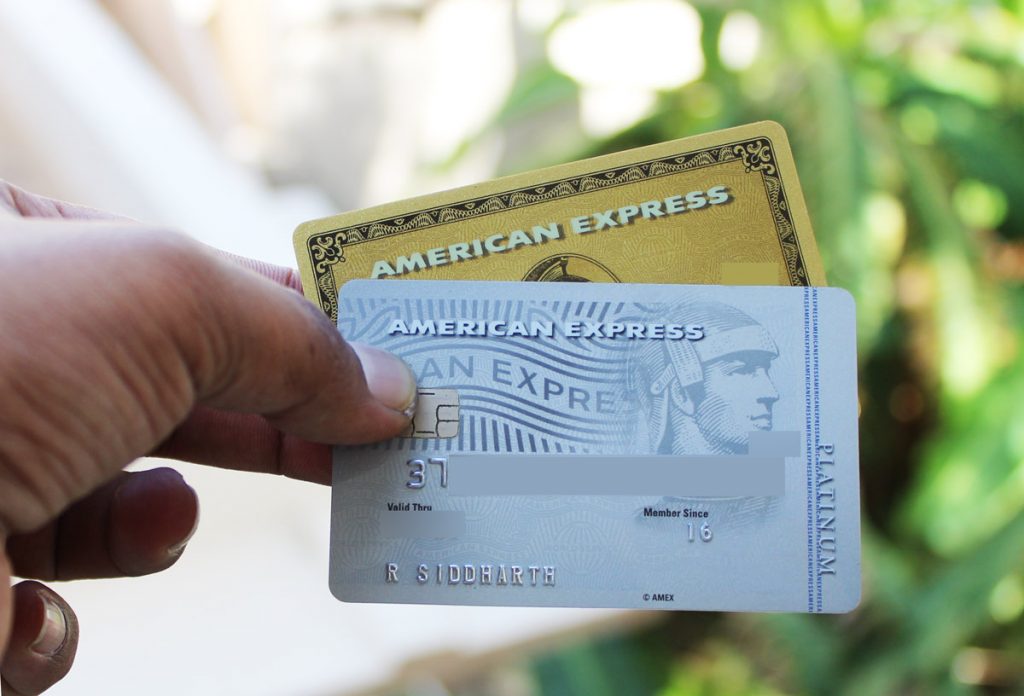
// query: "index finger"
[[18, 202], [245, 443]]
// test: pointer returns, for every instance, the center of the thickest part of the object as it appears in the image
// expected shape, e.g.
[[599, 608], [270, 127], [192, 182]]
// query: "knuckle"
[[174, 256], [167, 266], [36, 475], [180, 286]]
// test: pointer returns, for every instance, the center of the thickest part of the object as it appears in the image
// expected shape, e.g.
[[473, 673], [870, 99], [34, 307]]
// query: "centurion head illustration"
[[706, 396]]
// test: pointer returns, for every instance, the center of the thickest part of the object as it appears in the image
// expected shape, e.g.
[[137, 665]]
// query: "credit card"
[[725, 207], [597, 445]]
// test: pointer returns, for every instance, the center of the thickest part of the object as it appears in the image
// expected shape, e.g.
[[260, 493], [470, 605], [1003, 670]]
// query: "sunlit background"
[[237, 119]]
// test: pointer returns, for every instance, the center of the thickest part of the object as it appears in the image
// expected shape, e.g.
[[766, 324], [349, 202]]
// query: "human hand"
[[119, 340]]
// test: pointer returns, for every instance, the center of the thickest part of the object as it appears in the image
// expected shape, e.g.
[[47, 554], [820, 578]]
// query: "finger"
[[246, 443], [379, 371], [147, 341], [21, 203], [279, 356], [282, 275], [43, 641], [136, 524], [251, 443]]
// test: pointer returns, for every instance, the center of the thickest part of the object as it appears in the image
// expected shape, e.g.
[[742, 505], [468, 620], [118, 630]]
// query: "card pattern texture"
[[616, 443]]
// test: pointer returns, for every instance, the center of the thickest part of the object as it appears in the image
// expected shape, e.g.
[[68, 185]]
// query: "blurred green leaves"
[[716, 670]]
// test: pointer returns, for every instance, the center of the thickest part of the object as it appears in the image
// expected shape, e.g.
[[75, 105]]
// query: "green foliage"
[[716, 670]]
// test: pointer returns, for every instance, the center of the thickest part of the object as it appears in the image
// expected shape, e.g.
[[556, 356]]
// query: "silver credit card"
[[607, 445]]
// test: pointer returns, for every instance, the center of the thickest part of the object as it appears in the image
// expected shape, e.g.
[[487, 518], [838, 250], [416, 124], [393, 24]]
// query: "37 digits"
[[418, 471]]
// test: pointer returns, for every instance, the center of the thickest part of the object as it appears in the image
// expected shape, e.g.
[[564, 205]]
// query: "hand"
[[119, 340]]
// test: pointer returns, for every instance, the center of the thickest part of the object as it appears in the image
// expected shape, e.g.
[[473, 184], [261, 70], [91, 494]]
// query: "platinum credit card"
[[606, 445]]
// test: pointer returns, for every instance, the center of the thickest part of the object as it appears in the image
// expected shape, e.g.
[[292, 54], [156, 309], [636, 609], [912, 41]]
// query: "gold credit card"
[[722, 208]]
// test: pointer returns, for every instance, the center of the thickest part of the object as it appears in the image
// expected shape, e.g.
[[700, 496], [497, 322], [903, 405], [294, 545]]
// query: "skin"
[[121, 340]]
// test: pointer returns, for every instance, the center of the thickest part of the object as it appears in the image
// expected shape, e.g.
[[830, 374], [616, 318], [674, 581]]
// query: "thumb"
[[5, 595], [43, 641]]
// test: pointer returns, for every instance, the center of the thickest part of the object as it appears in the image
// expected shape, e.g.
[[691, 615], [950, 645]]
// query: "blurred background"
[[238, 119]]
